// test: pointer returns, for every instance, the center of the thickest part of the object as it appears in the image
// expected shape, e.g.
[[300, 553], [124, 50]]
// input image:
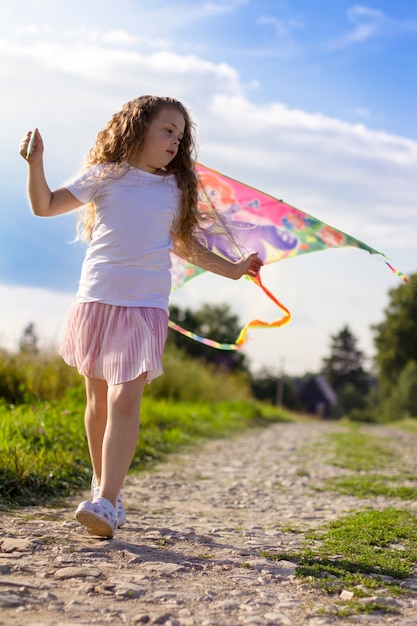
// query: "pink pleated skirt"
[[115, 343]]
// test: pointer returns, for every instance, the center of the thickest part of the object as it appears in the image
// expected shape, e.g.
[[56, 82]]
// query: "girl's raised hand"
[[251, 265], [31, 146]]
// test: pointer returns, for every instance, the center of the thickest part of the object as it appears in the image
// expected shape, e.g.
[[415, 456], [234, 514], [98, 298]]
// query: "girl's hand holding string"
[[251, 265]]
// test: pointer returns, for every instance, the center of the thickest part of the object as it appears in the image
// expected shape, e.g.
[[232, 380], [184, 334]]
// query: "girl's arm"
[[207, 260], [43, 201]]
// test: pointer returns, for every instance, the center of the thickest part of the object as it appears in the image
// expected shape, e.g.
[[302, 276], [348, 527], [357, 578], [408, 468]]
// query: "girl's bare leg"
[[121, 435], [95, 420]]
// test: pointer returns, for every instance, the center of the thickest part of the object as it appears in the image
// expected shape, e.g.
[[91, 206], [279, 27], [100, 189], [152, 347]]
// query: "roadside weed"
[[43, 448], [365, 552]]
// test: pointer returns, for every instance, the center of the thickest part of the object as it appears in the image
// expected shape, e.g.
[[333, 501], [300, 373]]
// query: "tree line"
[[384, 391]]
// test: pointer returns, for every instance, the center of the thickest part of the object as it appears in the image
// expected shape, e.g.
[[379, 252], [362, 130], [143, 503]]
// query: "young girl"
[[138, 201]]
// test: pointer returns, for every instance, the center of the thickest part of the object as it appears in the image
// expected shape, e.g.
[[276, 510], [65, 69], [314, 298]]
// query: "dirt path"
[[190, 552]]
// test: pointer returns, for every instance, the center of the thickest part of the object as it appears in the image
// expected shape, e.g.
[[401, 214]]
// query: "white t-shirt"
[[128, 262]]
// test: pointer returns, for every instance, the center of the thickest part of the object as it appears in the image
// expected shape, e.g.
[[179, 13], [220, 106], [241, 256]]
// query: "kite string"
[[285, 319]]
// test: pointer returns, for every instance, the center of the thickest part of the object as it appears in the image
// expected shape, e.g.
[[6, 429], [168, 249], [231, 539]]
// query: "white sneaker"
[[99, 517], [120, 509]]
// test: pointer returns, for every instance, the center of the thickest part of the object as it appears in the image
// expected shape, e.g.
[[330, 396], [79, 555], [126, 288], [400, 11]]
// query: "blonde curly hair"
[[124, 135]]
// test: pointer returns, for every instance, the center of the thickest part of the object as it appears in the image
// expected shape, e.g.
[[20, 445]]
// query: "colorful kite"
[[244, 220]]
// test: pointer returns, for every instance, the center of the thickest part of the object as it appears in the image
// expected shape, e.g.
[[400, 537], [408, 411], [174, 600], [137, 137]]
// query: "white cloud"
[[119, 37], [204, 9], [46, 309], [317, 162], [105, 64], [348, 174], [282, 28], [369, 23]]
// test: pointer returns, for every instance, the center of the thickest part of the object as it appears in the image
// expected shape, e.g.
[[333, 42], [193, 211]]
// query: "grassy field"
[[43, 449]]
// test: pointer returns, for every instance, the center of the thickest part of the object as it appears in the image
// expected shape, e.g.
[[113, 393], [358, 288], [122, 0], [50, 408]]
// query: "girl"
[[138, 201]]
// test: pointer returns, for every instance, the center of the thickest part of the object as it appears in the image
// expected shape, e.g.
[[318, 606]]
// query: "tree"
[[396, 336], [216, 322], [344, 371], [402, 402], [345, 363], [265, 387], [29, 340]]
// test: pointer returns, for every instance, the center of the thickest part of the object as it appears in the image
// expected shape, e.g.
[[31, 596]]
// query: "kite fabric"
[[241, 220]]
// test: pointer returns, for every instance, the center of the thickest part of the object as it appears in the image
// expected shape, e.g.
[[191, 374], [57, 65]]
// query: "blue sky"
[[313, 101]]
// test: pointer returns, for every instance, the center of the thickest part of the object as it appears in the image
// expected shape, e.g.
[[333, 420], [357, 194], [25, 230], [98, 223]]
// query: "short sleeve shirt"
[[128, 261]]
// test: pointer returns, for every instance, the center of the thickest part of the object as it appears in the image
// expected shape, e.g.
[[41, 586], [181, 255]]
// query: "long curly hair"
[[124, 135]]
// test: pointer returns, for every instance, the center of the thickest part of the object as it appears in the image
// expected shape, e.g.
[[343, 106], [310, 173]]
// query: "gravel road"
[[190, 554]]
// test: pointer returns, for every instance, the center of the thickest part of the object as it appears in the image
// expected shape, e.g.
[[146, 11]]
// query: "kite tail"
[[397, 272], [243, 333], [204, 340], [285, 319]]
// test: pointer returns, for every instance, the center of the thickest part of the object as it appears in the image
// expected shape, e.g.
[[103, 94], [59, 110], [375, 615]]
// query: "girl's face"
[[161, 141]]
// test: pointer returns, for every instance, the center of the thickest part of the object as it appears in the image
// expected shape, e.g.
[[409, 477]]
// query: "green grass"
[[365, 552], [361, 453], [373, 485], [371, 542], [409, 425], [32, 377], [43, 450]]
